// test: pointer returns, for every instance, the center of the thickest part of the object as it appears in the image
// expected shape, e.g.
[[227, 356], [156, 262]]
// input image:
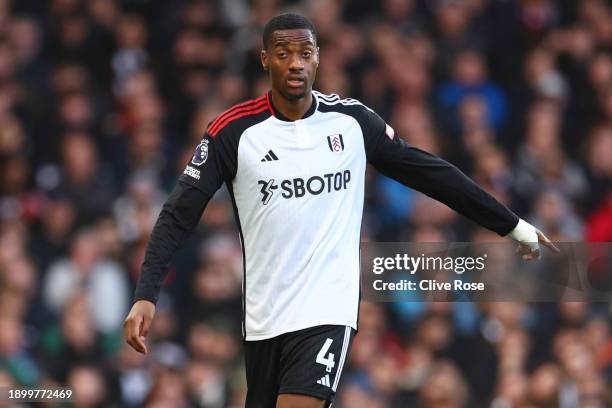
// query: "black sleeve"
[[431, 175], [212, 163], [179, 216]]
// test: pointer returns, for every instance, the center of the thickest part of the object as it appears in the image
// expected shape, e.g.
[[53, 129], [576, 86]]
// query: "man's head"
[[290, 54]]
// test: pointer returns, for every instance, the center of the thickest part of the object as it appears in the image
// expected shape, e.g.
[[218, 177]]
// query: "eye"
[[281, 54], [307, 54]]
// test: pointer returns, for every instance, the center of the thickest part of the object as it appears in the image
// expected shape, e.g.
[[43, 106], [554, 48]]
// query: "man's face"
[[292, 58]]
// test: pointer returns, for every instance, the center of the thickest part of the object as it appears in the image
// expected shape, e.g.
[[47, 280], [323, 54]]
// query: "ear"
[[264, 60]]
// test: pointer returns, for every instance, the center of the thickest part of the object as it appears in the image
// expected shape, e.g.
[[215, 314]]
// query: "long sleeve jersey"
[[297, 189]]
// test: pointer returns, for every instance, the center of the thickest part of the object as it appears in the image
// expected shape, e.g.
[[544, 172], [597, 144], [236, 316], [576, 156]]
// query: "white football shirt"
[[297, 188]]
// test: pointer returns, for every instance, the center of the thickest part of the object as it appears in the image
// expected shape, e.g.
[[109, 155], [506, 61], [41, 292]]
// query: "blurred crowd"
[[103, 101]]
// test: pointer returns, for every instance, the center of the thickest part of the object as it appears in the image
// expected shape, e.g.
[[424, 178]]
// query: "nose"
[[296, 63]]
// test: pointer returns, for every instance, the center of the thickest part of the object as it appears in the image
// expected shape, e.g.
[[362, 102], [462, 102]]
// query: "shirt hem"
[[275, 333]]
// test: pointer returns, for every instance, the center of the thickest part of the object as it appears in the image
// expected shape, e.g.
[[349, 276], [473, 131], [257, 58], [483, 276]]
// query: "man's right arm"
[[179, 216], [204, 174]]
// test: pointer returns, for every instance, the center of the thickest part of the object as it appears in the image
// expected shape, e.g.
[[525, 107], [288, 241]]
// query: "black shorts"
[[307, 362]]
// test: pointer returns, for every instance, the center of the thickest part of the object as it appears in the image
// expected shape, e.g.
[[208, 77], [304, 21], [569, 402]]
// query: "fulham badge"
[[335, 143]]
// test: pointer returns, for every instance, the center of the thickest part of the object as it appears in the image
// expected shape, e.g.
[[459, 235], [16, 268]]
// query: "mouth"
[[296, 82]]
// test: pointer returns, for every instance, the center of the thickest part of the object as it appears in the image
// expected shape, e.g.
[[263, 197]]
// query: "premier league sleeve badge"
[[201, 153]]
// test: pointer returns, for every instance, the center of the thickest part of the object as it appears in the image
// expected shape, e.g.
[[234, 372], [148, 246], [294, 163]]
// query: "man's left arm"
[[442, 181]]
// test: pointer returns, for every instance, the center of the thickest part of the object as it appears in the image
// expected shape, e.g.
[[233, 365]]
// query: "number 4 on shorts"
[[328, 361]]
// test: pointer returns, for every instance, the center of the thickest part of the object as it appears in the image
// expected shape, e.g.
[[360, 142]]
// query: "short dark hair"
[[286, 21]]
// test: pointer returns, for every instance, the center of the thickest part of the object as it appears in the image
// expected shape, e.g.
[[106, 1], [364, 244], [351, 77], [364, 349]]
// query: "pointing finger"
[[543, 239]]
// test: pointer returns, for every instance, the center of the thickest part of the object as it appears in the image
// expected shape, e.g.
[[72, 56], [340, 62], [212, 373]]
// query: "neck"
[[292, 109]]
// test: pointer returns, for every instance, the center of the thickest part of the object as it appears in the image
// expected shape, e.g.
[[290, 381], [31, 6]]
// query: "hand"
[[137, 323], [530, 254]]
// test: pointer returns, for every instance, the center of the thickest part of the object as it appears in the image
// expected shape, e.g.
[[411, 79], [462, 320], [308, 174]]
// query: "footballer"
[[294, 163]]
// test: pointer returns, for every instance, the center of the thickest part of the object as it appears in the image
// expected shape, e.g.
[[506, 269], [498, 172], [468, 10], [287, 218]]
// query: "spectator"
[[469, 77], [89, 386], [83, 182], [78, 340], [100, 278]]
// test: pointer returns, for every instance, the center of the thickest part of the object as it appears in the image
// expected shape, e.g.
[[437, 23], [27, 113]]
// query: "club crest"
[[335, 143]]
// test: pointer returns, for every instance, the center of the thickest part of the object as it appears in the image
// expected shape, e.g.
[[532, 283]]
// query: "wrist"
[[525, 233]]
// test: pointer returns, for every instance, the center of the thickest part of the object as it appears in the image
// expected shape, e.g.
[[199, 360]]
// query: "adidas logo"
[[324, 381], [269, 157]]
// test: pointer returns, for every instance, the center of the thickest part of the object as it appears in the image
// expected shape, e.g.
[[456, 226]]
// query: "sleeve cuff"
[[145, 294], [525, 233]]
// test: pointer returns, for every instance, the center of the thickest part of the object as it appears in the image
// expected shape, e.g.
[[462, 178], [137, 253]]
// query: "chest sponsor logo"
[[201, 153], [335, 143], [299, 187], [267, 190]]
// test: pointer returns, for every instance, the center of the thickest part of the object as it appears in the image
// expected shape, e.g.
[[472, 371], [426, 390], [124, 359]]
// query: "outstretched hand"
[[529, 254], [137, 323]]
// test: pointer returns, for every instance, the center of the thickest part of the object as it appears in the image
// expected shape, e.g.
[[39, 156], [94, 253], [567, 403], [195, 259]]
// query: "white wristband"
[[525, 233]]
